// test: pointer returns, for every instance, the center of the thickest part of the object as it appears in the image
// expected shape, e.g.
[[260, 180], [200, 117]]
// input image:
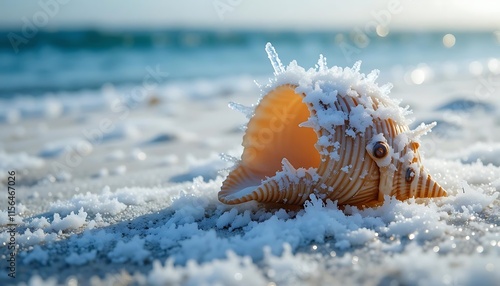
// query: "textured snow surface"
[[192, 239], [142, 209]]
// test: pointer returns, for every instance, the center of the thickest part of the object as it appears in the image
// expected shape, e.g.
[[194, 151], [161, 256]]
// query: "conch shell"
[[330, 132]]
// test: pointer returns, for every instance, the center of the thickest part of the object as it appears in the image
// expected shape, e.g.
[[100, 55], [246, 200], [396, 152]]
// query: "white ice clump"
[[37, 236], [107, 201], [290, 269], [37, 255], [359, 120], [70, 222], [132, 250], [80, 259], [234, 270]]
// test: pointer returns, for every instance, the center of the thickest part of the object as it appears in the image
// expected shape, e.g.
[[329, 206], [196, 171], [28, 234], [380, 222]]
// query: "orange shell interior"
[[273, 133]]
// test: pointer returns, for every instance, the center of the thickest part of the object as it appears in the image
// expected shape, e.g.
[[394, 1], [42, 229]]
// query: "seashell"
[[329, 132]]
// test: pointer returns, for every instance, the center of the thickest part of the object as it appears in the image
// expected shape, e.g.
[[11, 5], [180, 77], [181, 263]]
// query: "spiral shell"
[[330, 132]]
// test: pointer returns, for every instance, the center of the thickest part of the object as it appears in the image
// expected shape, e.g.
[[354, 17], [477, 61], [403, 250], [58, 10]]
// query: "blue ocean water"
[[88, 59]]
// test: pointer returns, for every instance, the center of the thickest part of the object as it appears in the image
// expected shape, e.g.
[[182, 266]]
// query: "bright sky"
[[270, 14]]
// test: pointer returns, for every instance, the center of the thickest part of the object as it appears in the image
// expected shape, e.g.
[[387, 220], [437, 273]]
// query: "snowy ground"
[[113, 190]]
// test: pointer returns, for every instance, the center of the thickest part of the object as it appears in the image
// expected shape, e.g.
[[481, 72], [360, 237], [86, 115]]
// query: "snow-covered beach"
[[119, 185]]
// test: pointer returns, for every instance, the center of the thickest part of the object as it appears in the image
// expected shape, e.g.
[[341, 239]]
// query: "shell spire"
[[330, 132]]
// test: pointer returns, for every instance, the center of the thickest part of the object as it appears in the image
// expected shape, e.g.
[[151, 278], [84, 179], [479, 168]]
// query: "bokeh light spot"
[[449, 40]]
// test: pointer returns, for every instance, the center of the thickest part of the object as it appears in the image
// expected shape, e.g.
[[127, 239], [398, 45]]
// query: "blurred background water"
[[88, 59], [82, 47]]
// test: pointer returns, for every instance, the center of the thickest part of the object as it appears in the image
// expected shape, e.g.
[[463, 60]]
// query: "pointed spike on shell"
[[307, 124], [373, 75], [246, 110], [228, 158], [356, 67], [423, 128], [287, 166], [257, 84], [386, 88], [275, 60], [322, 65]]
